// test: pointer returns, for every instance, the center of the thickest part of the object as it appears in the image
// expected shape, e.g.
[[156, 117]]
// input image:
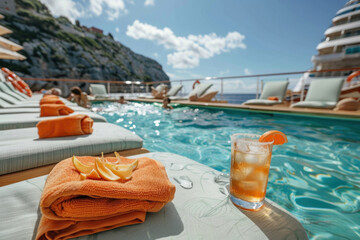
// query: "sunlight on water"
[[315, 175]]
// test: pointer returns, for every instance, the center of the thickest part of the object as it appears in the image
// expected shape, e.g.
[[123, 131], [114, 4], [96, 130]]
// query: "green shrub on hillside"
[[46, 24], [33, 5], [85, 42]]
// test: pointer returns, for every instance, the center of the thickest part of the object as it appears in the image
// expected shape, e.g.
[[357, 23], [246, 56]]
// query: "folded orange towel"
[[79, 124], [72, 207], [273, 98], [51, 100], [54, 110]]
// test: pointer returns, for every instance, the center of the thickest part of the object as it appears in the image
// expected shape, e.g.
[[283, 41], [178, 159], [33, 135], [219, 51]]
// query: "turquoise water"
[[315, 176]]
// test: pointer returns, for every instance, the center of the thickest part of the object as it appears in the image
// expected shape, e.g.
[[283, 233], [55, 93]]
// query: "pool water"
[[315, 176]]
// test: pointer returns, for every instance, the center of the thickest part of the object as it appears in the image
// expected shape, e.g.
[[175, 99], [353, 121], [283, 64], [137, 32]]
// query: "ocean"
[[236, 98]]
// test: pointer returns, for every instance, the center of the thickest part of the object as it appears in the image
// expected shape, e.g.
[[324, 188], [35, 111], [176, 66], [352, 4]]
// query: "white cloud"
[[156, 55], [224, 72], [171, 75], [75, 9], [67, 8], [247, 71], [117, 29], [149, 3], [187, 50]]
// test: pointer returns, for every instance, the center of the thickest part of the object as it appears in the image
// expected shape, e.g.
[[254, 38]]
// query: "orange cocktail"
[[250, 165]]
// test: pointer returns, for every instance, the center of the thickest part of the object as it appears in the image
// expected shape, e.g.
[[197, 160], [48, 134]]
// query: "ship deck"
[[281, 109]]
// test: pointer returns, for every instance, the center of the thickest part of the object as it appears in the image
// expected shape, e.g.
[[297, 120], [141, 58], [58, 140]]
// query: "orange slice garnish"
[[104, 169], [105, 172], [81, 167], [277, 137], [121, 159], [124, 172], [93, 174]]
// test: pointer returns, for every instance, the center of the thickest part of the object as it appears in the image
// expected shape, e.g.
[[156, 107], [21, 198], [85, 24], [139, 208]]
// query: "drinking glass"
[[249, 171]]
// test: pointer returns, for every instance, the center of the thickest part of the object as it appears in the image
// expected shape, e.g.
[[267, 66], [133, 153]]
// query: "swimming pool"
[[315, 176]]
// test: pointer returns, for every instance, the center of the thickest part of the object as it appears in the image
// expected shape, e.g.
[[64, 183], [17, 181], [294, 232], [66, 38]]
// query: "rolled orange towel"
[[273, 98], [51, 100], [54, 110], [72, 207], [79, 124]]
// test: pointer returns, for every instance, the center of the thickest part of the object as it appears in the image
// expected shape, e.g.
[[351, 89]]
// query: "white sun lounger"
[[271, 89], [199, 91], [202, 212], [26, 120], [22, 149]]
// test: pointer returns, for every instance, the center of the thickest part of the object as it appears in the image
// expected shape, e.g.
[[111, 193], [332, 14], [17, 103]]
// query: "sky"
[[202, 38]]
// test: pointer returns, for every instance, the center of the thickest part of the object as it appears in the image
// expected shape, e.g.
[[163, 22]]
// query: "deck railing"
[[136, 87]]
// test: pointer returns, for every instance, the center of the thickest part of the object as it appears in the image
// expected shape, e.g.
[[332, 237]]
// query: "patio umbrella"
[[4, 30], [9, 45], [8, 54]]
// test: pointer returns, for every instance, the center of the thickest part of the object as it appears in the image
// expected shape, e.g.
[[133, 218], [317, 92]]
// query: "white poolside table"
[[202, 212]]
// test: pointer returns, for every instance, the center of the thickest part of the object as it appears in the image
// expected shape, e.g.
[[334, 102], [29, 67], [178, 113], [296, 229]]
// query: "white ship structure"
[[340, 49]]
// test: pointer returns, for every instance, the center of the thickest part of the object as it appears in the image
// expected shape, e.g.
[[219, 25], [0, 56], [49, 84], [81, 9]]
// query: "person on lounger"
[[159, 94], [166, 103], [52, 91], [79, 97]]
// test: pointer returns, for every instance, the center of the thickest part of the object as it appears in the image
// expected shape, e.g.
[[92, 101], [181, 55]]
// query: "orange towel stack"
[[79, 124], [72, 207], [51, 99], [54, 110]]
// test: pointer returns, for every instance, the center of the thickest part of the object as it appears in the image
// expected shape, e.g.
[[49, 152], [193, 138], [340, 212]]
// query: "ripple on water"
[[315, 176]]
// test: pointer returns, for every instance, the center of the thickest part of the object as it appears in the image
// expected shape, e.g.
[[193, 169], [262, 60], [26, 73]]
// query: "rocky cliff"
[[56, 48]]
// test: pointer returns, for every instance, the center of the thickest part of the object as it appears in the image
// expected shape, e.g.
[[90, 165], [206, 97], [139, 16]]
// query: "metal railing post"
[[222, 90], [302, 89], [108, 87], [147, 88], [181, 91], [132, 88], [257, 87]]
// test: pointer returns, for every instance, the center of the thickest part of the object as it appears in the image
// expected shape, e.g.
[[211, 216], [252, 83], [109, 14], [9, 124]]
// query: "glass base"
[[252, 206]]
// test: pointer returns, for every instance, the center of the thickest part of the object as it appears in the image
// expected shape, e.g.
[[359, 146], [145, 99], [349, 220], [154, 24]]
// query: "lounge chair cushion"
[[9, 98], [274, 89], [29, 103], [35, 110], [206, 97], [5, 89], [22, 149], [28, 120], [323, 93], [200, 89], [98, 90], [4, 104], [174, 90], [24, 96], [160, 88], [271, 89], [314, 104], [262, 102], [202, 212], [325, 90]]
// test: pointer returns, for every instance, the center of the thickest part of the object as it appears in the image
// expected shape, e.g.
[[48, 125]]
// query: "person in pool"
[[166, 103], [79, 97], [122, 100]]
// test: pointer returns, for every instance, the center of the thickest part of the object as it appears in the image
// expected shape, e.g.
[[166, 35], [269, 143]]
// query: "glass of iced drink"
[[250, 165]]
